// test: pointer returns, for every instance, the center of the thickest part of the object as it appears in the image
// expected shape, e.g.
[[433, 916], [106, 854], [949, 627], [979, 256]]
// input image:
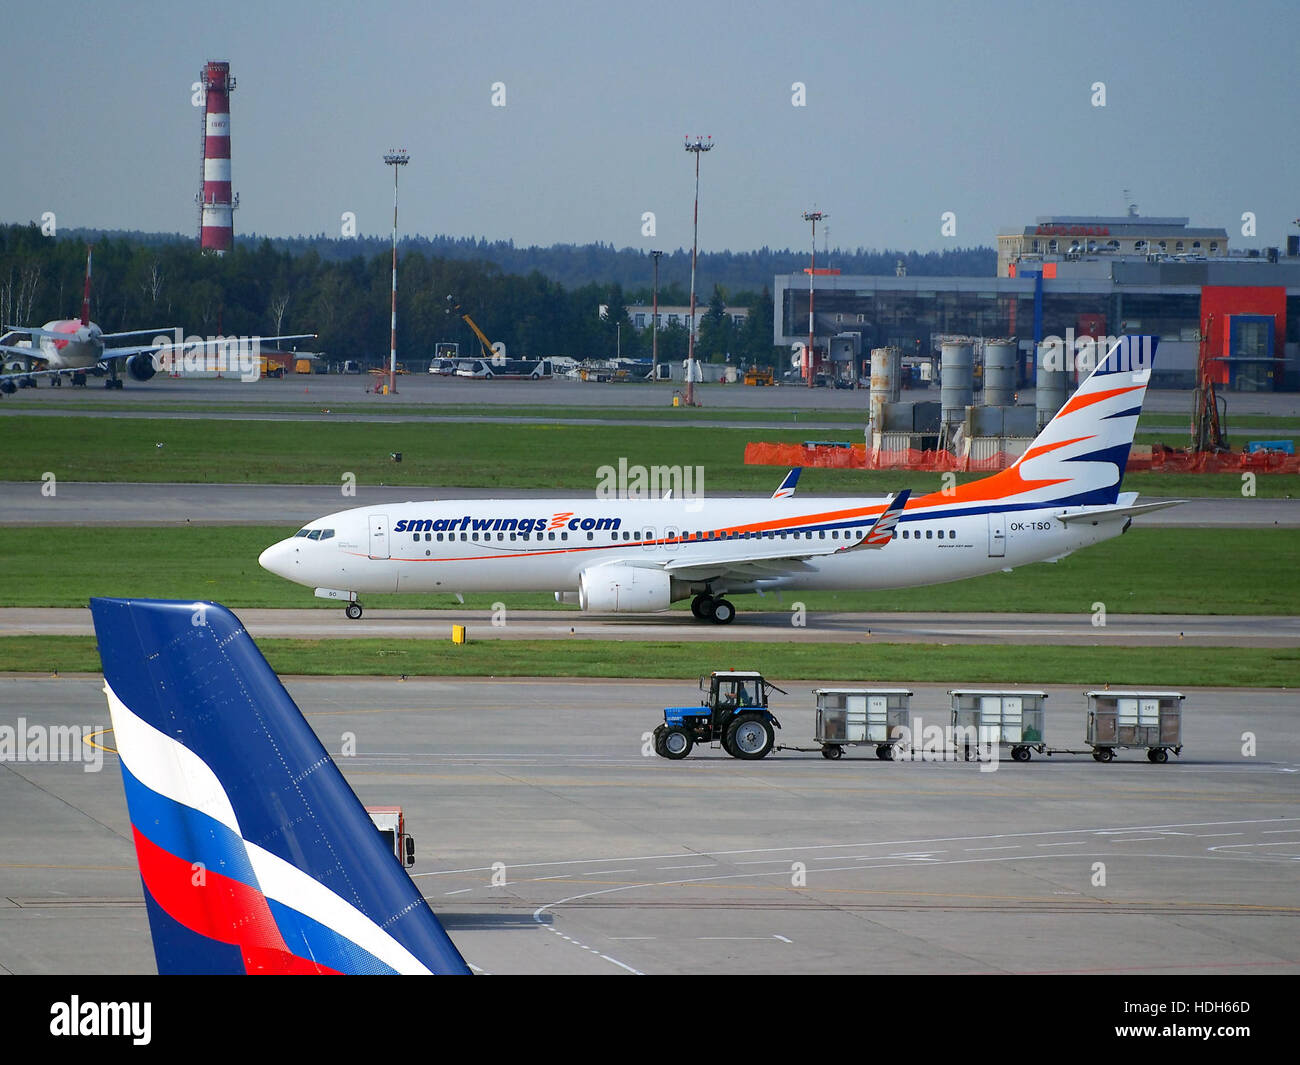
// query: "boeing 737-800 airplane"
[[626, 555]]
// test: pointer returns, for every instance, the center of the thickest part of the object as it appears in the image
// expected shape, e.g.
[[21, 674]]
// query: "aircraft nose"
[[277, 558]]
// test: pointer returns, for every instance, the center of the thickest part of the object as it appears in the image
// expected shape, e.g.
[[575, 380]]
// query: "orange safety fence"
[[1142, 459]]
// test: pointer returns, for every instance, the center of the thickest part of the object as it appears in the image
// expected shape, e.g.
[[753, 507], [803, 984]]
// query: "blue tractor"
[[734, 713]]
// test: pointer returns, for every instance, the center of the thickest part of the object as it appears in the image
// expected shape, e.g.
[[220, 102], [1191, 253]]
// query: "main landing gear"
[[707, 608]]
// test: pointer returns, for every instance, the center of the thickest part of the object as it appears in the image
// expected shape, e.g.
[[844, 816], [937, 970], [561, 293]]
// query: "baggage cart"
[[853, 717], [1144, 719], [1012, 719]]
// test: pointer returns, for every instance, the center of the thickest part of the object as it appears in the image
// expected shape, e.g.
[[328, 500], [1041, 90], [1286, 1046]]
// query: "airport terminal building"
[[1249, 306]]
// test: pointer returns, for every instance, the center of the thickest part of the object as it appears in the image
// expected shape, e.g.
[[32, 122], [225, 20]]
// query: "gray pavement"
[[316, 392], [146, 504], [775, 626], [549, 842]]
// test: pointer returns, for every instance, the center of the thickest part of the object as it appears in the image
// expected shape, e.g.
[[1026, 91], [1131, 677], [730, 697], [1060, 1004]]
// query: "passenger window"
[[550, 536], [929, 534], [440, 538], [952, 534], [564, 536]]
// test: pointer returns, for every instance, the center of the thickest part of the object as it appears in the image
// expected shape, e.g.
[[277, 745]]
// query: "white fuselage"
[[82, 350], [546, 544]]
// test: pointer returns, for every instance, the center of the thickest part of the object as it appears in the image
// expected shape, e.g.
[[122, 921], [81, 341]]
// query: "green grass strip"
[[1174, 667]]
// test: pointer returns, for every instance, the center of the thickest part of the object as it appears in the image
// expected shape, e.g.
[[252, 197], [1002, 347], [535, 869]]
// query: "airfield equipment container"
[[1011, 719], [851, 717], [1150, 719]]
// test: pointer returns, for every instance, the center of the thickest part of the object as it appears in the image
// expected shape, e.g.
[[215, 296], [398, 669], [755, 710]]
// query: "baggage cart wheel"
[[676, 743], [1105, 754], [1158, 755], [885, 752], [1020, 754], [832, 751], [750, 736]]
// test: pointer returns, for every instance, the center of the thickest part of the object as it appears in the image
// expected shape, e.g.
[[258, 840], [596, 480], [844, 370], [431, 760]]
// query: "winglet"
[[255, 854], [787, 486], [883, 530]]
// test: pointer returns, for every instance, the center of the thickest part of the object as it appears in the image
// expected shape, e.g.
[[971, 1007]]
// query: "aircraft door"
[[379, 536], [997, 535]]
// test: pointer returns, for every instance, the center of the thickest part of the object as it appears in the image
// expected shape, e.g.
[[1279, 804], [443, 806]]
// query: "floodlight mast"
[[394, 157], [697, 147], [814, 217]]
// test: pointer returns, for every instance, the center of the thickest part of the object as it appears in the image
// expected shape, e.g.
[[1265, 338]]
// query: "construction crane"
[[488, 351], [1209, 412]]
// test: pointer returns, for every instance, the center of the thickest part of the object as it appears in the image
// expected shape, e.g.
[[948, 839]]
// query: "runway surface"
[[1120, 630], [319, 391], [551, 841], [147, 504]]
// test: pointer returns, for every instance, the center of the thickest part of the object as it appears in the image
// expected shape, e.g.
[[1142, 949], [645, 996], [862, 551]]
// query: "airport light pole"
[[396, 158], [697, 147], [814, 217], [654, 323]]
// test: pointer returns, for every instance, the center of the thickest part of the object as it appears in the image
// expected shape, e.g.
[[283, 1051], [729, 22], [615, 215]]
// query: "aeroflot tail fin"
[[256, 856]]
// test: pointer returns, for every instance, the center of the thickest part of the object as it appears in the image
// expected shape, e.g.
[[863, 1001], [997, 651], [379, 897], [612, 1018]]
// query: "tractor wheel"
[[658, 741], [750, 736], [676, 743]]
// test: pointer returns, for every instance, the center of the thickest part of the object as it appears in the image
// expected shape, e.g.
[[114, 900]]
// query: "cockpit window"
[[301, 532], [314, 534], [325, 534]]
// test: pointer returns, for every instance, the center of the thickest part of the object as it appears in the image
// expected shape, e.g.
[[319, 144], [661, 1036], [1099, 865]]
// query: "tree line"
[[340, 289]]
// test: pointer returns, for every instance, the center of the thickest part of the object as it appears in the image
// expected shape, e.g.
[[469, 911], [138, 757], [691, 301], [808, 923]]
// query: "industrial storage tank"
[[956, 377], [886, 381], [1049, 381], [999, 373]]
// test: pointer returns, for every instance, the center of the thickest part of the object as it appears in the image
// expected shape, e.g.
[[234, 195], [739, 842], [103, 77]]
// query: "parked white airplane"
[[71, 346], [642, 555]]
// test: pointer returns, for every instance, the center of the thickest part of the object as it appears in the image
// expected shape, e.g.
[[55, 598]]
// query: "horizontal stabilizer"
[[1096, 515]]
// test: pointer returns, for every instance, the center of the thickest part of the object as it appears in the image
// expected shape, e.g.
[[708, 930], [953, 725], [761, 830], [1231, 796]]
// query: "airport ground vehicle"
[[759, 375], [1145, 719], [391, 823], [733, 713]]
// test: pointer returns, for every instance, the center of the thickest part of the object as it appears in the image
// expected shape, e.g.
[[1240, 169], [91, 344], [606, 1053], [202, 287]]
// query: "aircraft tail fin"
[[255, 854], [85, 294], [1079, 457]]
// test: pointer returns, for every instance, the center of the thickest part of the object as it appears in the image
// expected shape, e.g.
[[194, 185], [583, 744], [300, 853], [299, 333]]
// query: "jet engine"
[[142, 366], [624, 588]]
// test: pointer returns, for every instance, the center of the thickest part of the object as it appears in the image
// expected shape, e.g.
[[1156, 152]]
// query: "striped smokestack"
[[217, 205]]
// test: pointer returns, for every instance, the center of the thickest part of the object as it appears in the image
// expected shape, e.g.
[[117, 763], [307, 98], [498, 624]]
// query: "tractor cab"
[[733, 713]]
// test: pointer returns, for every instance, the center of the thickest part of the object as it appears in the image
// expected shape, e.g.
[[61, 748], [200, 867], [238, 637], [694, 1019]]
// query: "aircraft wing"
[[775, 558], [30, 353], [169, 331]]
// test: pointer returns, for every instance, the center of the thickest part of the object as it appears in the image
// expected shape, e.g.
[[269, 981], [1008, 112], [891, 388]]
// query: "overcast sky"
[[911, 109]]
